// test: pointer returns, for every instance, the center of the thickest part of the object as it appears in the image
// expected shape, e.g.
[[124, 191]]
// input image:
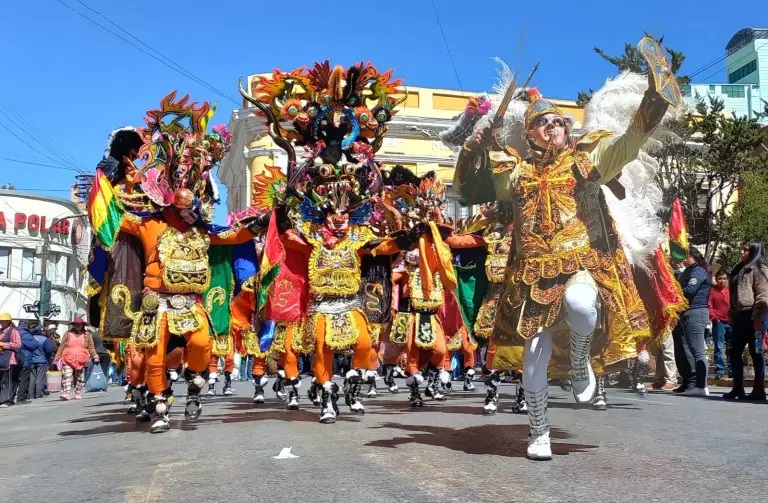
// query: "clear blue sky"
[[68, 79]]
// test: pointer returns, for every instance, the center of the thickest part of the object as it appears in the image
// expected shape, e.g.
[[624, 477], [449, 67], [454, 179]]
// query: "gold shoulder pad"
[[587, 140], [504, 160]]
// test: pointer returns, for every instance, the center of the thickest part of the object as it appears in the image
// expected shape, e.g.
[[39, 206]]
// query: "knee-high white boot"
[[580, 302], [539, 447]]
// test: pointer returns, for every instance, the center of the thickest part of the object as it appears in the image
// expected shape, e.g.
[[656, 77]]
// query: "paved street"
[[659, 448]]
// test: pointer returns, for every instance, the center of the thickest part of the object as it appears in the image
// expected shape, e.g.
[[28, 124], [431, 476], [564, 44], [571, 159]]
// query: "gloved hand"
[[281, 215]]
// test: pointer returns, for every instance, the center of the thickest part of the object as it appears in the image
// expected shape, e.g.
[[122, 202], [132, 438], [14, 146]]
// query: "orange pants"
[[490, 354], [288, 359], [361, 357], [417, 358], [229, 362], [198, 352], [175, 358], [136, 364]]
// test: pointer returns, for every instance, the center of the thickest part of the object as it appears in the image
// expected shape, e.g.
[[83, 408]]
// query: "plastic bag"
[[97, 381]]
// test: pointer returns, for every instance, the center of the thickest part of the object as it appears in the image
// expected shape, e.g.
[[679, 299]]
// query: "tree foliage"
[[705, 162], [749, 219]]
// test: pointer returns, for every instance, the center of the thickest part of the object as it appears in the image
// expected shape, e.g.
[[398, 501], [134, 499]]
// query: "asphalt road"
[[660, 448]]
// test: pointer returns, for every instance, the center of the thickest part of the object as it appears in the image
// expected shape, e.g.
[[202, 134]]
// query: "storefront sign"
[[36, 223]]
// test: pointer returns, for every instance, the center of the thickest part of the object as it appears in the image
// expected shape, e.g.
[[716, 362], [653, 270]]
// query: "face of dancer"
[[549, 128], [337, 223]]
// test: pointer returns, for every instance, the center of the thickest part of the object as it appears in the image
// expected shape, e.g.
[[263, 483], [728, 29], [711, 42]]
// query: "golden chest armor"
[[184, 260], [335, 271]]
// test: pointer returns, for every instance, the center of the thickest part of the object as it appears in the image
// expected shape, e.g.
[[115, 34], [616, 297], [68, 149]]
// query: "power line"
[[56, 150], [20, 161], [173, 65], [447, 48], [738, 60], [33, 138], [719, 59], [30, 146]]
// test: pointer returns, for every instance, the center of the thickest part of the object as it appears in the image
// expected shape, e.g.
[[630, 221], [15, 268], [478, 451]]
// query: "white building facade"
[[746, 62], [37, 230]]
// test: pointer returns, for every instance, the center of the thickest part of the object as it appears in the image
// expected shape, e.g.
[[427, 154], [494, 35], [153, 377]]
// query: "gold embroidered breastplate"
[[335, 271], [548, 224], [418, 300], [498, 254], [184, 260]]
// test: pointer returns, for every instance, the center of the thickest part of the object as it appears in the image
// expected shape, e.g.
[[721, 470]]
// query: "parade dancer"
[[167, 205], [328, 116], [566, 250]]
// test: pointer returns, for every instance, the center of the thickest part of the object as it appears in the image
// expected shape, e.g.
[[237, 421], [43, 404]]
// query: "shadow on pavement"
[[508, 441]]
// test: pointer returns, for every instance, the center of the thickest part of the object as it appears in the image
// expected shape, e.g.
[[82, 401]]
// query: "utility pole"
[[44, 297], [45, 284]]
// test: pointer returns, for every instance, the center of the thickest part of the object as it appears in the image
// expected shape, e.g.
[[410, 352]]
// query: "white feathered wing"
[[636, 216]]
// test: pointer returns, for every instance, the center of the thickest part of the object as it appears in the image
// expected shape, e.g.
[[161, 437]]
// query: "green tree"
[[633, 61], [705, 162], [749, 219]]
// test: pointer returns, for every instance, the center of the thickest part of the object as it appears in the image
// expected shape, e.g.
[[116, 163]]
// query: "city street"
[[659, 448]]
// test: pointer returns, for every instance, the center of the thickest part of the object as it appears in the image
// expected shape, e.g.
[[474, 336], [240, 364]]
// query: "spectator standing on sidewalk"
[[75, 349], [719, 315], [10, 344], [101, 351], [39, 363], [666, 369], [749, 308], [690, 348], [28, 347]]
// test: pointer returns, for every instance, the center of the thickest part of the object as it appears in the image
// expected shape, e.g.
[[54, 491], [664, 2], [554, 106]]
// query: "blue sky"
[[68, 82]]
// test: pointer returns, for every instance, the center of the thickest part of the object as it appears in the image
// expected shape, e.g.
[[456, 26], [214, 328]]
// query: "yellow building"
[[412, 141]]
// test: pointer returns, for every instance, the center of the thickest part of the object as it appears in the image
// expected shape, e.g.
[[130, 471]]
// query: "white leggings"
[[580, 304]]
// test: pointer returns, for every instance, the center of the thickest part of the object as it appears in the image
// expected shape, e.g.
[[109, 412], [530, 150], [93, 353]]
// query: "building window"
[[687, 90], [712, 89], [28, 265], [743, 71], [735, 91], [5, 264]]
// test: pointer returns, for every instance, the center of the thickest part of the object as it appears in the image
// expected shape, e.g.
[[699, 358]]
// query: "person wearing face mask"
[[569, 290], [749, 311], [690, 355]]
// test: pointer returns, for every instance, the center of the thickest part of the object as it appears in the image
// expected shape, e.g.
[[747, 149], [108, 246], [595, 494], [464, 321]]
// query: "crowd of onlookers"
[[731, 310], [28, 351]]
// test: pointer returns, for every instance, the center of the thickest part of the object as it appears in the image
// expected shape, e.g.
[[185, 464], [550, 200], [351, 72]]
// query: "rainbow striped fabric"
[[104, 210], [678, 234]]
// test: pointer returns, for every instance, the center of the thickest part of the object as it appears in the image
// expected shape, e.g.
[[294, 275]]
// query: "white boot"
[[539, 447], [258, 393], [292, 399], [162, 419], [584, 382], [329, 409], [352, 385], [468, 376], [492, 383]]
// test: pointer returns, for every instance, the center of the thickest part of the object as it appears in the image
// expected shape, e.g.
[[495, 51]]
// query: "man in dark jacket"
[[28, 347], [39, 362]]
